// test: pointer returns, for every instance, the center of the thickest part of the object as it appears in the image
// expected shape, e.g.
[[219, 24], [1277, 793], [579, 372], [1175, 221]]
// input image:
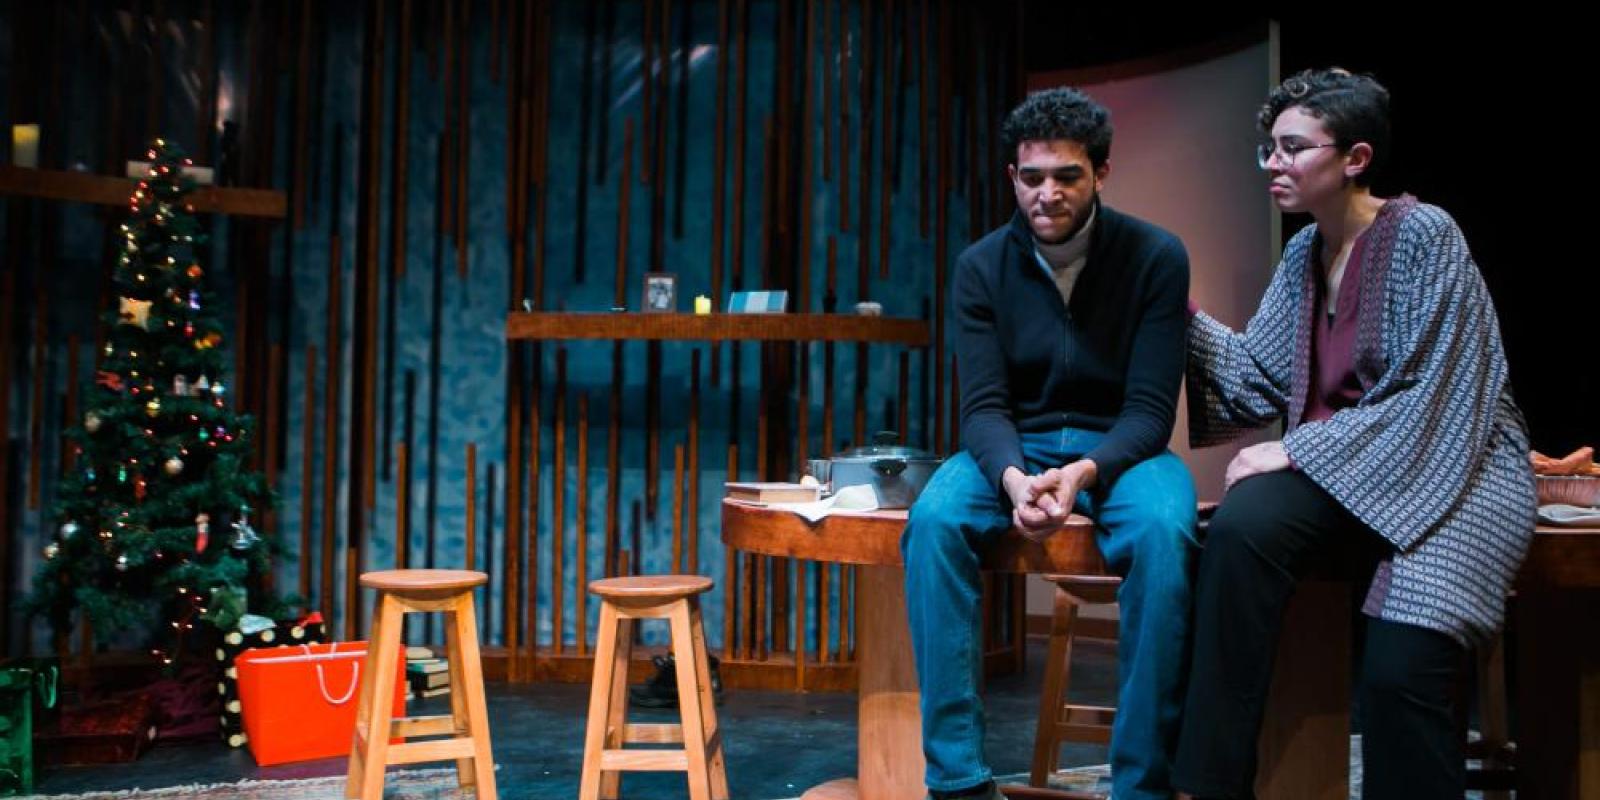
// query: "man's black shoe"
[[661, 691]]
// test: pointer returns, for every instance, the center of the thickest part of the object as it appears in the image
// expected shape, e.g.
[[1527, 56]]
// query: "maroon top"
[[1334, 384]]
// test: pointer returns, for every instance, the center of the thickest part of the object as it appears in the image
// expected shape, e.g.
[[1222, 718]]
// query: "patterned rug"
[[430, 784], [1094, 779], [1097, 779], [440, 784]]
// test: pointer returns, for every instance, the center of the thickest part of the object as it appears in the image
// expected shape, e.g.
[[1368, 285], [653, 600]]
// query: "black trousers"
[[1268, 533]]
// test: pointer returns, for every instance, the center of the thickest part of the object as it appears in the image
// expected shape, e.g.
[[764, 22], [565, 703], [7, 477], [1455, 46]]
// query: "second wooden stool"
[[674, 598], [406, 591]]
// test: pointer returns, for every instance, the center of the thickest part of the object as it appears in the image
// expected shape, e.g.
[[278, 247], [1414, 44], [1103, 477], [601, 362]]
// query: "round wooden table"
[[889, 764]]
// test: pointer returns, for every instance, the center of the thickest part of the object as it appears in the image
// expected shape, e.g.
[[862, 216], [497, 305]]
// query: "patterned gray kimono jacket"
[[1434, 457]]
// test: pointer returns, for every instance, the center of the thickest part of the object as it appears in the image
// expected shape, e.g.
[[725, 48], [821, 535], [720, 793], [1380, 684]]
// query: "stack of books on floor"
[[427, 675]]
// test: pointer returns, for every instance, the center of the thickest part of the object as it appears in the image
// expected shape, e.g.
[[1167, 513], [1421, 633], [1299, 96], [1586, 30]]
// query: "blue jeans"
[[1144, 527]]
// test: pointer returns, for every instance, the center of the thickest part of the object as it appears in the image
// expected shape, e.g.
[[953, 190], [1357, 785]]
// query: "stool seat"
[[664, 588], [422, 580]]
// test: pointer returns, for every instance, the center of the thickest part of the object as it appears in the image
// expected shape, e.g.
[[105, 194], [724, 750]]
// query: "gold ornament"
[[133, 312]]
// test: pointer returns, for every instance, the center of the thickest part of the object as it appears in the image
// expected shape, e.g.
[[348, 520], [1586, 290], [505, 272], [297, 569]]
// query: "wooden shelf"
[[84, 187], [559, 325]]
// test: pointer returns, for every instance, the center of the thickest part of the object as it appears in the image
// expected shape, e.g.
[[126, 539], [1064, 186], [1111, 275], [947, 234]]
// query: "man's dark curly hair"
[[1059, 114], [1354, 108]]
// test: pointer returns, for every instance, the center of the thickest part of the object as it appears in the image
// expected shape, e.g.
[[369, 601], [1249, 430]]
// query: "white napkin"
[[860, 497], [1563, 514]]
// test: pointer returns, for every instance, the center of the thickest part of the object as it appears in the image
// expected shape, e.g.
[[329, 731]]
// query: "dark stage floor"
[[778, 744]]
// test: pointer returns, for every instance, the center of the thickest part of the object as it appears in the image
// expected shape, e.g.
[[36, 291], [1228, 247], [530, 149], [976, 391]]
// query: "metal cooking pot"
[[897, 473]]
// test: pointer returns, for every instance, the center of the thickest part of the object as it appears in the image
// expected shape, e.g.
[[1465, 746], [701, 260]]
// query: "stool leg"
[[460, 718], [690, 683], [594, 736], [617, 717], [379, 703], [1494, 728], [1053, 695], [358, 746], [708, 705], [465, 636]]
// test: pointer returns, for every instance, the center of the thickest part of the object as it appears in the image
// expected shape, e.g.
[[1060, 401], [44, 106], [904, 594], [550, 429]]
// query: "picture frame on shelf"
[[660, 293]]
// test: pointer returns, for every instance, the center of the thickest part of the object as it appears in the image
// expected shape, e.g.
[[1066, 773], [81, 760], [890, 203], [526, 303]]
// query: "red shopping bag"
[[299, 703]]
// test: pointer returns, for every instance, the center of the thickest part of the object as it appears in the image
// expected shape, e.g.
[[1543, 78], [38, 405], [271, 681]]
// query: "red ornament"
[[109, 380], [194, 272]]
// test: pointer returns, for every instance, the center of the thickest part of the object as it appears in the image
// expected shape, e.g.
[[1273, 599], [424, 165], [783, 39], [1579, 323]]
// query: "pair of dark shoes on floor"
[[661, 691]]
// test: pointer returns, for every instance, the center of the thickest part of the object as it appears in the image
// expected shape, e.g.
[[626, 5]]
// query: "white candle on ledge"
[[25, 146]]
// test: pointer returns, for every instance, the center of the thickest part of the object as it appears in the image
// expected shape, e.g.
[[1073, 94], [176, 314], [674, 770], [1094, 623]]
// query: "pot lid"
[[885, 444]]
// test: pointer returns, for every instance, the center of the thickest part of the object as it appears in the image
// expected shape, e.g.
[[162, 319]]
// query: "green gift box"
[[19, 686]]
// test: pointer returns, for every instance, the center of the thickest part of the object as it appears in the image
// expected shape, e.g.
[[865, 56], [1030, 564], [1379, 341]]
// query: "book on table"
[[772, 492]]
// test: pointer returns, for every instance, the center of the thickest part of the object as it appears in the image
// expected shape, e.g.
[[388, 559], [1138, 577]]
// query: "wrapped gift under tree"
[[21, 686], [253, 635]]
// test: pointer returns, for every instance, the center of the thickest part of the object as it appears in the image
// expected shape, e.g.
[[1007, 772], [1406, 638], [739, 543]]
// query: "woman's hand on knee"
[[1256, 460]]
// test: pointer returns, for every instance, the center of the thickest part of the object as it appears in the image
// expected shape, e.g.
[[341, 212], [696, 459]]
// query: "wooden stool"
[[1496, 774], [401, 592], [1060, 721], [676, 599]]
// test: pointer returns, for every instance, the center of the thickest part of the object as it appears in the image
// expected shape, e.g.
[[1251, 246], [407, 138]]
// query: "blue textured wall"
[[473, 361]]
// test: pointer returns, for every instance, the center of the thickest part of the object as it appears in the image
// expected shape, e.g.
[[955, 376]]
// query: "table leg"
[[1558, 693], [889, 758]]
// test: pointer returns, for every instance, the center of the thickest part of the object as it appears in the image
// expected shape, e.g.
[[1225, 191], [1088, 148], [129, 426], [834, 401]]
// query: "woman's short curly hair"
[[1060, 113], [1354, 108]]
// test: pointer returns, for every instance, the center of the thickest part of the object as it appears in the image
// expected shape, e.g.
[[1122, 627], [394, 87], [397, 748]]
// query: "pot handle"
[[889, 467]]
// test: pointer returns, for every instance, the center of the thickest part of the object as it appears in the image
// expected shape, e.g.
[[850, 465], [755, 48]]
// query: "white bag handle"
[[322, 679]]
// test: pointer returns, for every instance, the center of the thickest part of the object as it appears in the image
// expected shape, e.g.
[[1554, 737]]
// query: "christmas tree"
[[159, 462]]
